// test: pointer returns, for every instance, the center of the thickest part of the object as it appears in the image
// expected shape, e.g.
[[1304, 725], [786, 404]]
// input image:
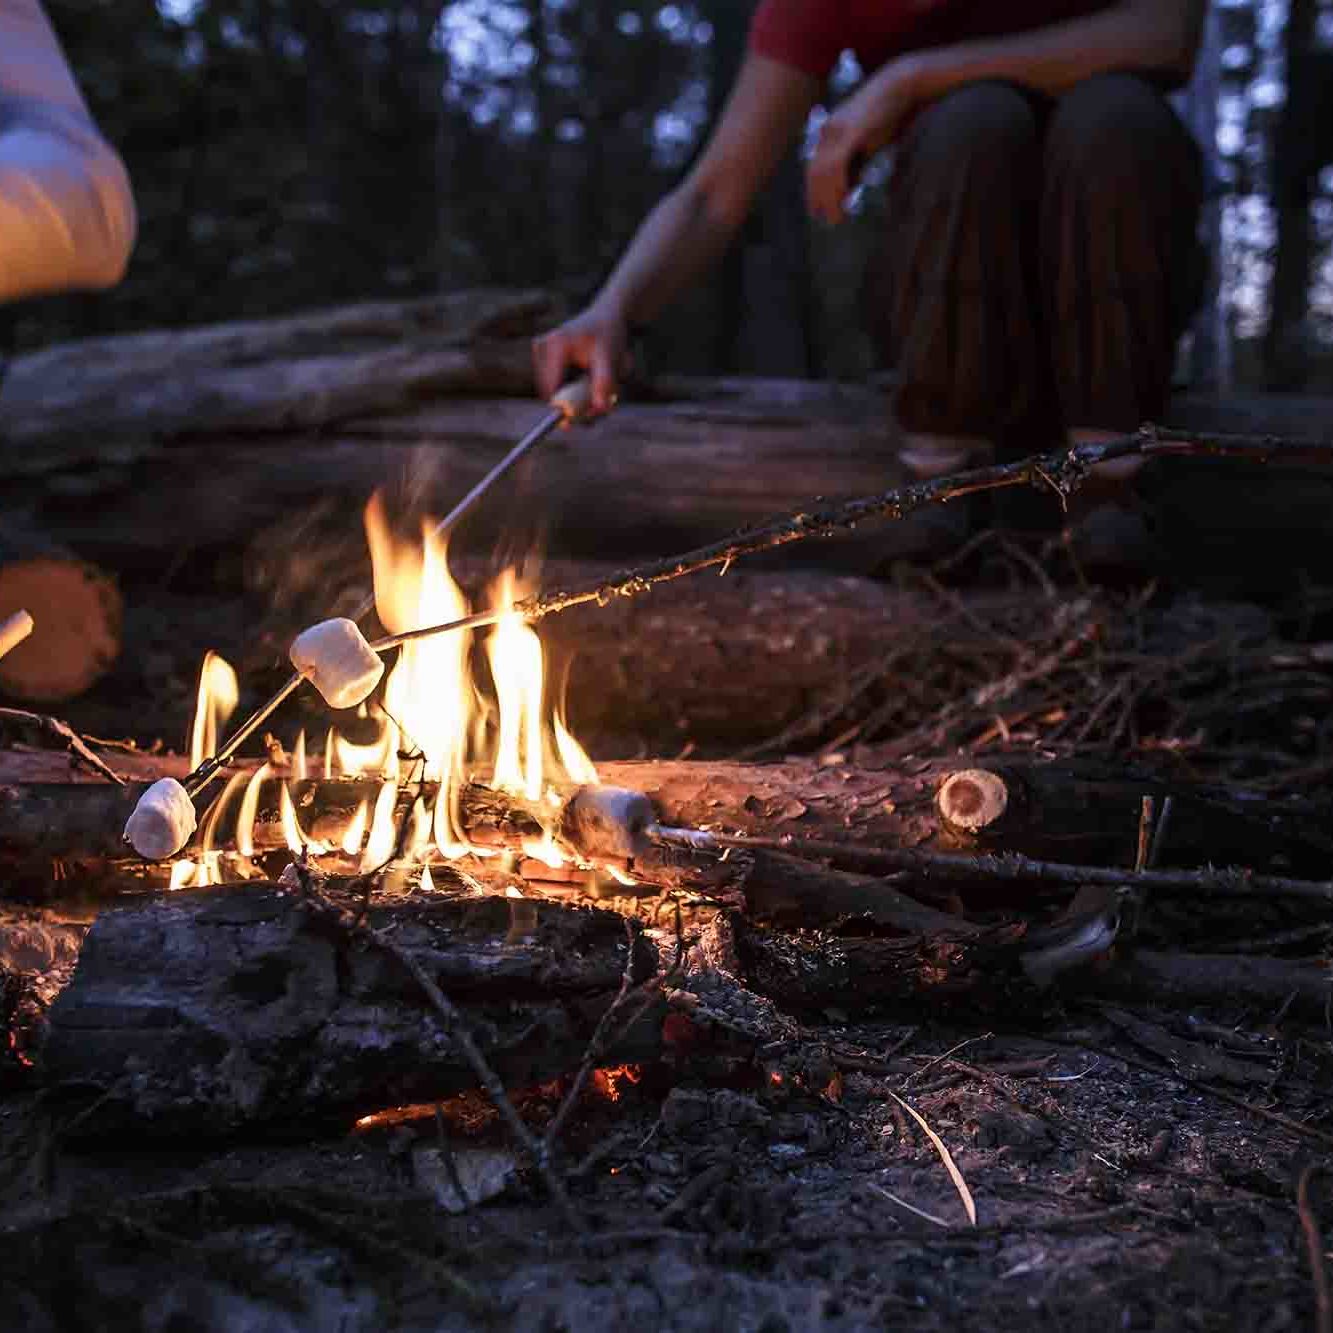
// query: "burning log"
[[1074, 812], [230, 1008]]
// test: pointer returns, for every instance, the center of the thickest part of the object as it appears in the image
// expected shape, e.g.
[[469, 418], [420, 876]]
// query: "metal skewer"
[[569, 405]]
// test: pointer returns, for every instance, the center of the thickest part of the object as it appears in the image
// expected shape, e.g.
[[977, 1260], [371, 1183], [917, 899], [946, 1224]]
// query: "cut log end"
[[972, 800], [76, 628]]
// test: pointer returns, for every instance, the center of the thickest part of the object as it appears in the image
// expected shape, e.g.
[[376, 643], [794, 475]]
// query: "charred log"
[[226, 1009], [813, 970]]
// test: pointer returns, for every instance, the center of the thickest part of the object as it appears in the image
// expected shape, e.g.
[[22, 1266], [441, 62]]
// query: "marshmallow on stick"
[[162, 821], [335, 657], [607, 822]]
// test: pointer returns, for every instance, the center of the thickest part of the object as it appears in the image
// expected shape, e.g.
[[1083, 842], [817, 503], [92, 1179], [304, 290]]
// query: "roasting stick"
[[333, 655], [568, 406]]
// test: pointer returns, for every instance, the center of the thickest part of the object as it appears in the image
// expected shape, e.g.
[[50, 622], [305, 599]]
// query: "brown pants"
[[1041, 260]]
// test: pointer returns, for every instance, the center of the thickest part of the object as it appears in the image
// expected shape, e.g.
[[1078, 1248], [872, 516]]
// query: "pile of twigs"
[[1222, 691]]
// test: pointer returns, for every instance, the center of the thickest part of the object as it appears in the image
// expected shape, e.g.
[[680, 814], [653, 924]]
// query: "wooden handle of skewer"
[[574, 400], [13, 630]]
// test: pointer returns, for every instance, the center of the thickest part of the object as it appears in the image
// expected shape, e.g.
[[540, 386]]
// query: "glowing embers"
[[472, 1113]]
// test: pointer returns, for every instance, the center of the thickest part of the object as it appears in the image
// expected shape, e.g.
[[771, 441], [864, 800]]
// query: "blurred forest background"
[[296, 153]]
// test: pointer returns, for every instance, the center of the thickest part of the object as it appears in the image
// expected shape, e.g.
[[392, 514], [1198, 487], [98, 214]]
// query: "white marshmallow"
[[162, 821], [335, 657]]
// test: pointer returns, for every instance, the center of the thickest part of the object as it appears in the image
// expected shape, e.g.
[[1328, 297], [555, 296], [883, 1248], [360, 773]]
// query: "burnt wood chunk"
[[221, 1010]]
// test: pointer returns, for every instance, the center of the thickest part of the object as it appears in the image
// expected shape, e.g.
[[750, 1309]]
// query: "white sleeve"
[[67, 218]]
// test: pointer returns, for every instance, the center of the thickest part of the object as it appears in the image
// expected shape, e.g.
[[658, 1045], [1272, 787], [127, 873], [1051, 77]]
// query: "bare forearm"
[[675, 244], [1157, 36]]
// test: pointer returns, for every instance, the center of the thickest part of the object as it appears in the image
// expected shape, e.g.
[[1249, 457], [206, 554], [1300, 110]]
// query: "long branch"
[[1064, 470], [1227, 881]]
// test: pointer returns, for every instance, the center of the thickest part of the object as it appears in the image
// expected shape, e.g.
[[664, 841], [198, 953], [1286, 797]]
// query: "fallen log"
[[236, 447], [651, 479], [725, 662], [1066, 809], [76, 610], [234, 1008], [811, 970], [299, 371]]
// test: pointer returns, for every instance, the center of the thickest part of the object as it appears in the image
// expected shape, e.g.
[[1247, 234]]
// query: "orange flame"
[[612, 1081], [356, 830], [219, 692], [435, 725]]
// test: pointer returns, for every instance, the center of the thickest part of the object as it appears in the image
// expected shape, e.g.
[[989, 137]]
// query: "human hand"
[[596, 341], [866, 122]]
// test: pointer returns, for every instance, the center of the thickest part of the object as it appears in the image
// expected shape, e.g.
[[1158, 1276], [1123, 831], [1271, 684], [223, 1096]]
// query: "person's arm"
[[67, 218], [1149, 36], [689, 228]]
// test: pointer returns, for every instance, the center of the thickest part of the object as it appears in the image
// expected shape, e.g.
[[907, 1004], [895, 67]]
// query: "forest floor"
[[1110, 1193]]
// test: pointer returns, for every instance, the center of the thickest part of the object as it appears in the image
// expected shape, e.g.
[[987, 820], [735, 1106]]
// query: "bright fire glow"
[[436, 729], [292, 833], [383, 829], [356, 830], [611, 1082], [515, 655], [245, 816], [218, 695]]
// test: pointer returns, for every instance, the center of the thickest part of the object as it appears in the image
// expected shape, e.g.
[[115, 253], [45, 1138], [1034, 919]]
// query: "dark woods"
[[291, 153]]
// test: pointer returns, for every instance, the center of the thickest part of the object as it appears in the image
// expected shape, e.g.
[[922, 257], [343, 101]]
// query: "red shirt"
[[810, 35]]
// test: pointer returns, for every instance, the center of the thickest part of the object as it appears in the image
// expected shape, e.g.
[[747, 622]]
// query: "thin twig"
[[1166, 1071], [940, 1059], [1229, 881], [911, 1207], [965, 1194], [70, 738], [1159, 833], [594, 1051], [1146, 805], [1314, 1245]]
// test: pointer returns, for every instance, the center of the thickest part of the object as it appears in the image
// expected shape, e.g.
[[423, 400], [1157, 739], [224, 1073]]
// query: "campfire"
[[447, 727]]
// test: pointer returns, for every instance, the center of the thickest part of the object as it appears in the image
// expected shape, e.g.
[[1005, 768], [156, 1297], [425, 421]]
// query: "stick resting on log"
[[226, 1009], [1080, 813]]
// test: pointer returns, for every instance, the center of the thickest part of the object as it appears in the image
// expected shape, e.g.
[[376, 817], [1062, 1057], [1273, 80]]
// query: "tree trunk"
[[763, 283], [1286, 353]]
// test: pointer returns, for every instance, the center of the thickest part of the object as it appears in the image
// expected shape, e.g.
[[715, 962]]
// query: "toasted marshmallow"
[[607, 822]]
